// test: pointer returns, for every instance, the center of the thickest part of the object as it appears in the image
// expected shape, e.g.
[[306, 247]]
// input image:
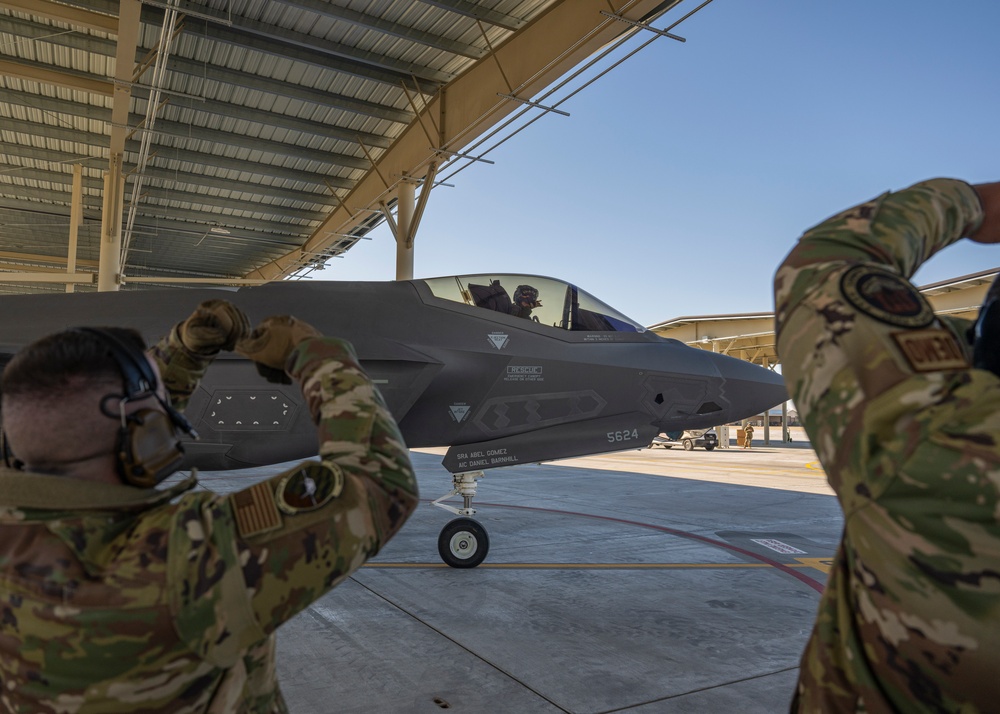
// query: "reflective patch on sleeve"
[[311, 486], [255, 510], [886, 296], [932, 350]]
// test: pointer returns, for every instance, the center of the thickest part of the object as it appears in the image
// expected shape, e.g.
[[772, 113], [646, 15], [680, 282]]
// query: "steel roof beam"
[[473, 10], [232, 204], [268, 119], [37, 209], [249, 205], [53, 105], [300, 47], [44, 194], [58, 77], [169, 155], [263, 190], [37, 32], [35, 277], [386, 27], [172, 154], [174, 249], [58, 133], [49, 176], [50, 242], [252, 143], [211, 264], [49, 157], [176, 246], [74, 17], [236, 78], [267, 85], [36, 260], [200, 218], [167, 220], [170, 230]]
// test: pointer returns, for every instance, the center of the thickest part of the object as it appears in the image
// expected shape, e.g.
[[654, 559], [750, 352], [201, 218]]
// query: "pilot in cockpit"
[[494, 297], [525, 300]]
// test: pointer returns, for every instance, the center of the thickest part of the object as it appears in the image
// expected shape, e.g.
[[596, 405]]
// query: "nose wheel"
[[463, 542]]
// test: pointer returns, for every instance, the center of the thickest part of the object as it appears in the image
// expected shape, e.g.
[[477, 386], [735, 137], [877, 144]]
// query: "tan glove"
[[272, 341], [214, 325]]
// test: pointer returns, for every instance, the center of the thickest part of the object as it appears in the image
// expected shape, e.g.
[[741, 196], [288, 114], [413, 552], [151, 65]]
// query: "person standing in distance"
[[116, 596], [903, 408]]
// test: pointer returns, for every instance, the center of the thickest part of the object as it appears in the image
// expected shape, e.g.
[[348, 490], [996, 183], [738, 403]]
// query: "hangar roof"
[[750, 336], [256, 139]]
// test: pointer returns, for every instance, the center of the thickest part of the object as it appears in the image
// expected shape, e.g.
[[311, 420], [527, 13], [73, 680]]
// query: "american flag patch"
[[255, 510]]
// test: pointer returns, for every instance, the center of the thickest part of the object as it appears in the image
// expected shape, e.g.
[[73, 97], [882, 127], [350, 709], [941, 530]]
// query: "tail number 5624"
[[615, 436]]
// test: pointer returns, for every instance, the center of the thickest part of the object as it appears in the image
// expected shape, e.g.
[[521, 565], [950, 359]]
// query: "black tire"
[[463, 543], [709, 447], [688, 445]]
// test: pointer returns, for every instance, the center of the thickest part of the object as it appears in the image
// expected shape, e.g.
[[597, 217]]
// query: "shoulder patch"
[[932, 350], [255, 510], [885, 296], [312, 485]]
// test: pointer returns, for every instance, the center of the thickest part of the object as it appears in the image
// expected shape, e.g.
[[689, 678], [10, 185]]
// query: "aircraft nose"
[[750, 389]]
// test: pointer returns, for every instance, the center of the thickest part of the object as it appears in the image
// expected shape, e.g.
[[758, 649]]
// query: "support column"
[[767, 414], [405, 211], [109, 268], [75, 220], [784, 422]]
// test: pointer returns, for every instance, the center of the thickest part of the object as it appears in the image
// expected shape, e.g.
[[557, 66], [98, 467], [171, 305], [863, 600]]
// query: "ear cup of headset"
[[149, 448], [9, 460]]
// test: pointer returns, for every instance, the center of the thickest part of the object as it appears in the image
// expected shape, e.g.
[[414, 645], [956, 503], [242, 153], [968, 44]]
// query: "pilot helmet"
[[986, 332], [526, 293]]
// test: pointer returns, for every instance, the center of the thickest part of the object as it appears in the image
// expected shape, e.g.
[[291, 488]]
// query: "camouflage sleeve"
[[180, 368], [295, 536], [907, 433], [843, 302]]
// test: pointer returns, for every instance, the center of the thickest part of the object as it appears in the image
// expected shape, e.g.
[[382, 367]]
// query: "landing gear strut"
[[463, 542]]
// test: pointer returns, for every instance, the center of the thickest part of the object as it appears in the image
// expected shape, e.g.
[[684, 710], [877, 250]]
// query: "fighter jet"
[[501, 369]]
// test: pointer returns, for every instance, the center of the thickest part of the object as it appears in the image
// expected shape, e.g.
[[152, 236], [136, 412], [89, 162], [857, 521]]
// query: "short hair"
[[55, 362]]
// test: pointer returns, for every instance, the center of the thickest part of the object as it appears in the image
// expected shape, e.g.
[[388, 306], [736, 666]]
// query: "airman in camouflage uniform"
[[909, 435], [120, 599]]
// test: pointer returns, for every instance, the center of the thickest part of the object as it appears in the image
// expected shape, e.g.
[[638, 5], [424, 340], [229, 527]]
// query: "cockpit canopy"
[[546, 301]]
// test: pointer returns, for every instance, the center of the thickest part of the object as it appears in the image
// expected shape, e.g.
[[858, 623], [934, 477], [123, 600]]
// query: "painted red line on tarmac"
[[815, 585]]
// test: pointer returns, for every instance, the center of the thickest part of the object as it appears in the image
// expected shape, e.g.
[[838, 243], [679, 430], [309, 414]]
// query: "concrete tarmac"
[[650, 581]]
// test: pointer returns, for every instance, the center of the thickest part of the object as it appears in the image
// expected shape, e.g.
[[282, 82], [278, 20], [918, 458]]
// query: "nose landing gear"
[[463, 542]]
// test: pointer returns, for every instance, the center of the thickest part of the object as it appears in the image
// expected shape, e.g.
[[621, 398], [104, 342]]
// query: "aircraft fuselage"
[[496, 387]]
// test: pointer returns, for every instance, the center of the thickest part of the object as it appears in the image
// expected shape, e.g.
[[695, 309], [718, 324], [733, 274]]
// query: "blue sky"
[[683, 177]]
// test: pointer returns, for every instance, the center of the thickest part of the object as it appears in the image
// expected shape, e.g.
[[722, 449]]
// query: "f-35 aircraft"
[[502, 369]]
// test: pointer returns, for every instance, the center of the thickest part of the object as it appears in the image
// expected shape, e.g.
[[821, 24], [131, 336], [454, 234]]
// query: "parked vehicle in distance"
[[687, 439]]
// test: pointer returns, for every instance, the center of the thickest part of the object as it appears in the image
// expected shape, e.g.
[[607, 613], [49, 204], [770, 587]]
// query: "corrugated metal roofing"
[[264, 110]]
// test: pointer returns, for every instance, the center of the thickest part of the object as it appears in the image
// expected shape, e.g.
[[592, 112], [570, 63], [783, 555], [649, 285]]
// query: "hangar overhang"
[[253, 140], [750, 336]]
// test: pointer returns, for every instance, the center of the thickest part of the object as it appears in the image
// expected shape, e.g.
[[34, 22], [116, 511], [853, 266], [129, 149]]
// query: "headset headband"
[[137, 374]]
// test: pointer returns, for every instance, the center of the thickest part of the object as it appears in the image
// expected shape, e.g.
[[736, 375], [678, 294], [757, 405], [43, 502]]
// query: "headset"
[[149, 444], [149, 441]]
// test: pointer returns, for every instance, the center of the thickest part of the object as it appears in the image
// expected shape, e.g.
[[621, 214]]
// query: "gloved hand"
[[272, 341], [214, 325]]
